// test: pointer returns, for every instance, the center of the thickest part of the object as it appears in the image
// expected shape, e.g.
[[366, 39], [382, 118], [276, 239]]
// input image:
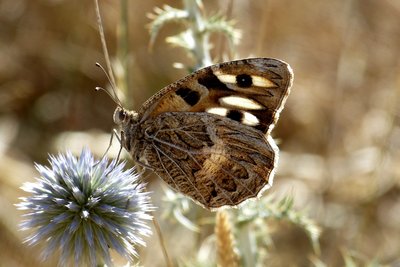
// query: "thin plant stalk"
[[104, 44], [160, 236], [124, 55]]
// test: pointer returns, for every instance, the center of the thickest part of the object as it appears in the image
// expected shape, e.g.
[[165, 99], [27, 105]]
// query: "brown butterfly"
[[208, 134]]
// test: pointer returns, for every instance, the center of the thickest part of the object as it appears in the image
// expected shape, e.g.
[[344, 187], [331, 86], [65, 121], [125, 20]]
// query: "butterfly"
[[207, 135]]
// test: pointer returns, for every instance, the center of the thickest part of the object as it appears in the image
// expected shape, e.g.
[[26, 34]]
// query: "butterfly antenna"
[[114, 95], [116, 101]]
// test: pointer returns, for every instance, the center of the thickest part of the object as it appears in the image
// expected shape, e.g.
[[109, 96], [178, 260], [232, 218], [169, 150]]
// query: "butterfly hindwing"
[[214, 162]]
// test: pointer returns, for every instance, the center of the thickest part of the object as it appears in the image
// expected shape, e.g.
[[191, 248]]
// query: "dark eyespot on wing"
[[235, 115], [190, 96], [209, 80], [244, 80]]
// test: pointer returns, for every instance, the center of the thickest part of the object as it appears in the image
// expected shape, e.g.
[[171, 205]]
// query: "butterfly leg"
[[114, 132]]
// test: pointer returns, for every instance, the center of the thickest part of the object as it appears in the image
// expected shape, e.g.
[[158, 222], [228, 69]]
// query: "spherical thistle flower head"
[[85, 208]]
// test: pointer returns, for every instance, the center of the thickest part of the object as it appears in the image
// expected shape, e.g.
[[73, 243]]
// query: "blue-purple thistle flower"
[[84, 208]]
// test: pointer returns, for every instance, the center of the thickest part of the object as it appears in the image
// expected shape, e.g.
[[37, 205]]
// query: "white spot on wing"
[[218, 111], [262, 82], [258, 81], [249, 119], [226, 78], [240, 102]]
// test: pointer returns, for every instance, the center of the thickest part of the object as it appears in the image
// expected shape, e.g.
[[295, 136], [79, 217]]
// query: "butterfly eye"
[[122, 115], [119, 115]]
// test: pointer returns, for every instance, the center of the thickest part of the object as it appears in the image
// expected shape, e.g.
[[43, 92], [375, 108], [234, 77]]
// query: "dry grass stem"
[[226, 254]]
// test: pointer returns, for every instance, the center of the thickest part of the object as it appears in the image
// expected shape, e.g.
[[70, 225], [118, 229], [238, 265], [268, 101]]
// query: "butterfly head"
[[123, 117]]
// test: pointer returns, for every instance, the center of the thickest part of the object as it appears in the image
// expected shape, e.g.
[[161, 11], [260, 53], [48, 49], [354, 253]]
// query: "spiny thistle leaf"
[[184, 39], [195, 39], [267, 207], [162, 17], [177, 205], [219, 24]]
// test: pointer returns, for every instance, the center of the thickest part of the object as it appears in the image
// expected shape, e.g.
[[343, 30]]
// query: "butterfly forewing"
[[207, 135], [251, 91]]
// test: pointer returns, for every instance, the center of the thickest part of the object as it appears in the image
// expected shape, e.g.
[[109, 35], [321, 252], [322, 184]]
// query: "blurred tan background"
[[339, 133]]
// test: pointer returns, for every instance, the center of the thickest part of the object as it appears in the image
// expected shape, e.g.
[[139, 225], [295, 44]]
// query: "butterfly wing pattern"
[[208, 134]]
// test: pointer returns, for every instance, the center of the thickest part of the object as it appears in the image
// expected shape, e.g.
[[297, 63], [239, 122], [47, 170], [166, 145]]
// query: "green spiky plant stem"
[[201, 48]]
